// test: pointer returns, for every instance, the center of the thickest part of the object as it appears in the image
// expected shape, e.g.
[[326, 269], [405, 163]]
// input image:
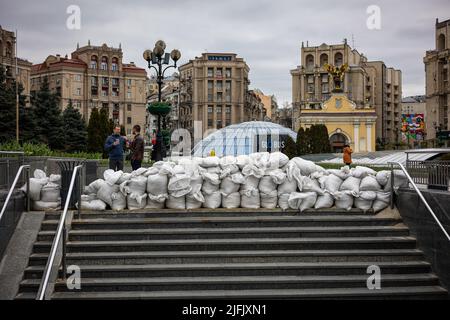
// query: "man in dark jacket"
[[115, 145], [137, 148]]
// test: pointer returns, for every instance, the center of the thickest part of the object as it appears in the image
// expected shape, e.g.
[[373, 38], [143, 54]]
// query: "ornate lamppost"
[[157, 59]]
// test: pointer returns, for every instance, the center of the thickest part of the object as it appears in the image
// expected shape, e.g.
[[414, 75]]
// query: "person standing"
[[137, 148], [115, 145], [347, 155]]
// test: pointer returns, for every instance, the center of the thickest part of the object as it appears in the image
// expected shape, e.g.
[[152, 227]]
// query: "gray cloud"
[[267, 34]]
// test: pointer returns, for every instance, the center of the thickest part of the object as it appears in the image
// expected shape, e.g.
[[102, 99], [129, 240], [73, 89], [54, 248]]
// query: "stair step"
[[421, 292], [153, 257], [230, 222], [235, 283], [239, 269]]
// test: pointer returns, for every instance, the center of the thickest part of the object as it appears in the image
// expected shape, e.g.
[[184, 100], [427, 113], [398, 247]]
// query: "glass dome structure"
[[243, 139]]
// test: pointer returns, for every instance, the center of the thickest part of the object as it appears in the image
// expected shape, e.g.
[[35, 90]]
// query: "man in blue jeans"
[[115, 145]]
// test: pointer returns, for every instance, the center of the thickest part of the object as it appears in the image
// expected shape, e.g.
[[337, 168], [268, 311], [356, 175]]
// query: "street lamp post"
[[157, 59]]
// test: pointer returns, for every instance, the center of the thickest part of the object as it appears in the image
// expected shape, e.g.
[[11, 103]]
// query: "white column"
[[369, 136], [356, 136]]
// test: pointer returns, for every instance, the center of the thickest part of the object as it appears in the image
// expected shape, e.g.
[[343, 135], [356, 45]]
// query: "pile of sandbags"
[[45, 192]]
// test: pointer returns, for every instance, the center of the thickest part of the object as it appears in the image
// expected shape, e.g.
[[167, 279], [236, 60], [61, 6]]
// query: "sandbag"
[[400, 181], [156, 201], [260, 159], [46, 206], [228, 166], [105, 192], [343, 200], [269, 200], [330, 183], [250, 183], [94, 186], [277, 160], [193, 203], [242, 161], [283, 200], [231, 201], [362, 172], [124, 177], [136, 201], [94, 205], [211, 183], [50, 193], [212, 200], [178, 182], [250, 199], [302, 200], [55, 178], [351, 184], [39, 174], [157, 184], [382, 201], [324, 201], [267, 185], [36, 185], [369, 183], [383, 177], [137, 185], [364, 200], [343, 173], [119, 201], [111, 177], [209, 162], [311, 185], [138, 172], [287, 186], [306, 167], [231, 184], [176, 202], [253, 170]]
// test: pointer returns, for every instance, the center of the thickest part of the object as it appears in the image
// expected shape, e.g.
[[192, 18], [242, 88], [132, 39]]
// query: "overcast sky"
[[267, 34]]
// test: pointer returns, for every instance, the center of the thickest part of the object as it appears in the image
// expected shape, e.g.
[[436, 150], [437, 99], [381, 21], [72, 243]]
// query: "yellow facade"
[[346, 124]]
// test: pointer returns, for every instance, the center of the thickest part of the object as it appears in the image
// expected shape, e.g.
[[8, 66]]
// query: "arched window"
[[323, 59], [338, 59], [94, 61], [104, 65], [441, 42], [115, 64], [338, 141], [309, 61], [9, 51]]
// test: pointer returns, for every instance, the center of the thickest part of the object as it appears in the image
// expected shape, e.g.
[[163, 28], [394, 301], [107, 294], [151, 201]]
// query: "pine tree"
[[302, 143], [314, 139], [93, 131], [104, 130], [50, 127], [290, 147], [325, 146], [308, 141], [75, 134], [7, 107]]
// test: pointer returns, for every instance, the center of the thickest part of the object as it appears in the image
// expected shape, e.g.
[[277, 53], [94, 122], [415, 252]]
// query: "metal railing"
[[61, 233], [419, 193], [432, 173], [8, 165], [19, 172]]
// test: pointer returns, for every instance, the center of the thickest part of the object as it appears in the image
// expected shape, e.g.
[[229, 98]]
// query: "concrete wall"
[[430, 237], [9, 221]]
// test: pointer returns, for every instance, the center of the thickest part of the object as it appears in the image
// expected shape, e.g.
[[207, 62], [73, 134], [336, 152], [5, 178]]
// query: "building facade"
[[367, 83], [414, 115], [214, 91], [346, 123], [437, 74], [8, 60], [270, 104], [96, 77]]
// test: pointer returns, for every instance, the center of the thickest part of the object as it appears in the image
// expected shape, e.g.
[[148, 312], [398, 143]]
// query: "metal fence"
[[9, 165], [435, 174]]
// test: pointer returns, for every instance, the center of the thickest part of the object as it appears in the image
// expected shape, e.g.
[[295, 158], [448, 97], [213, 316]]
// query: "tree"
[[308, 140], [75, 134], [104, 129], [302, 142], [50, 127], [93, 131], [290, 147], [324, 139], [7, 107]]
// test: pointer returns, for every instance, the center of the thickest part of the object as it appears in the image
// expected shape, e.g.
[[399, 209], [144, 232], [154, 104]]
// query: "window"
[[77, 77], [323, 59], [104, 64], [94, 60], [309, 62], [210, 72], [105, 81], [310, 88], [210, 85], [325, 78], [210, 97], [325, 88], [128, 131], [228, 73], [128, 82], [115, 92], [78, 92], [219, 109], [310, 79], [129, 94], [94, 81], [105, 92], [210, 109], [128, 107], [228, 110], [219, 96], [338, 59], [219, 85], [219, 73], [115, 64], [115, 81], [128, 120]]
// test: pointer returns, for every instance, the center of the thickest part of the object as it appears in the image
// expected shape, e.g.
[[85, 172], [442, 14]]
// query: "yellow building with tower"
[[346, 123]]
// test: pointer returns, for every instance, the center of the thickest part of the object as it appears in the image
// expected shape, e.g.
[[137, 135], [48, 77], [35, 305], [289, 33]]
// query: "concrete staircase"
[[235, 255]]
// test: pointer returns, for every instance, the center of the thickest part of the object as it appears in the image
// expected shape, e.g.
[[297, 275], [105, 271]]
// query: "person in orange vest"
[[347, 155]]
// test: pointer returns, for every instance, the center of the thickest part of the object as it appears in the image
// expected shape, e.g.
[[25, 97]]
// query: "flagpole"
[[17, 96]]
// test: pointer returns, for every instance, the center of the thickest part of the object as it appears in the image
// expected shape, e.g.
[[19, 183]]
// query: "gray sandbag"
[[231, 201], [283, 200], [324, 201], [51, 192], [369, 183], [213, 200], [344, 200], [302, 200], [46, 206], [178, 203], [156, 201], [351, 184], [136, 201], [269, 200], [250, 199]]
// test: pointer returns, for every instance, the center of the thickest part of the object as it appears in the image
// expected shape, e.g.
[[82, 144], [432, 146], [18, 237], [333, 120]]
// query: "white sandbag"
[[105, 192], [278, 160], [163, 167], [400, 181], [302, 200], [362, 172], [119, 201], [136, 201], [382, 201], [277, 175], [311, 185], [231, 201], [181, 192], [46, 206], [179, 182], [287, 186], [330, 183], [242, 161], [250, 199], [157, 184], [269, 200], [137, 185], [383, 177], [55, 178], [209, 162], [369, 183], [283, 200], [364, 200], [253, 170], [36, 185], [195, 198], [111, 177], [139, 172], [150, 171], [177, 169], [250, 183], [211, 183], [94, 186], [343, 200], [324, 201], [176, 202], [189, 165], [229, 165], [213, 200], [267, 185], [156, 201], [306, 167], [343, 173], [39, 174], [231, 184], [213, 170], [92, 205], [351, 184], [89, 197], [50, 192], [260, 159], [124, 177]]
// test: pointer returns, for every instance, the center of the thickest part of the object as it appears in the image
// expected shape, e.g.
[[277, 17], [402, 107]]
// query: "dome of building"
[[244, 138]]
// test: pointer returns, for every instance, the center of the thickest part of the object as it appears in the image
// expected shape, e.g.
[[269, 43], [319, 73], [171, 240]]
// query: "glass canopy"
[[244, 138]]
